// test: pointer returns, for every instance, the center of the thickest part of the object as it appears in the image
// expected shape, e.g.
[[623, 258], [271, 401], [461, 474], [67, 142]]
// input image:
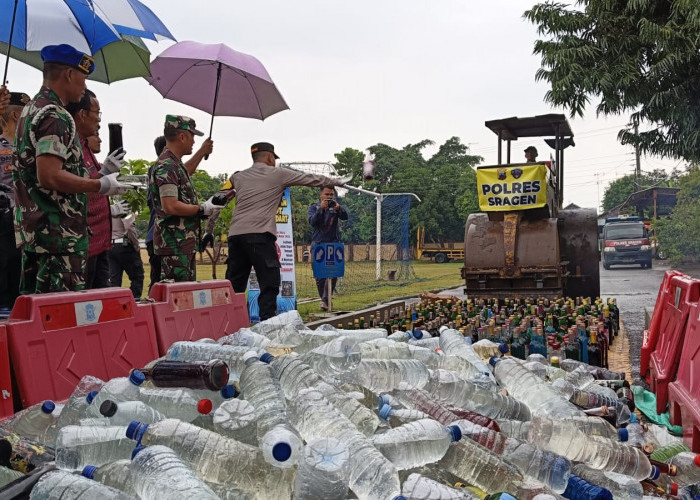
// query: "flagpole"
[[9, 44]]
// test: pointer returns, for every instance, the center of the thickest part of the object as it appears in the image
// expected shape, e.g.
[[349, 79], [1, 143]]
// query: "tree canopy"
[[679, 235], [620, 189], [636, 56]]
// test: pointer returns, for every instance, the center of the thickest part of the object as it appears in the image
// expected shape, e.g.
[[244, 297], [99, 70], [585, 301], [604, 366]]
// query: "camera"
[[331, 203]]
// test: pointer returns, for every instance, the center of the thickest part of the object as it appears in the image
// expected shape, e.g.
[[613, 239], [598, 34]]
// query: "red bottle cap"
[[204, 406], [696, 460], [673, 489]]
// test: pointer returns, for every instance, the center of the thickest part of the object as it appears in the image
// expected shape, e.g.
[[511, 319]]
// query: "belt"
[[118, 241]]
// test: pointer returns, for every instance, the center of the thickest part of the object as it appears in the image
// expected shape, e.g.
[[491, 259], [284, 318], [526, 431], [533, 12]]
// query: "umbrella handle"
[[9, 43]]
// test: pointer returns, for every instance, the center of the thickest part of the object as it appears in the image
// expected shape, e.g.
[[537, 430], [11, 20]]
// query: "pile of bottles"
[[441, 409]]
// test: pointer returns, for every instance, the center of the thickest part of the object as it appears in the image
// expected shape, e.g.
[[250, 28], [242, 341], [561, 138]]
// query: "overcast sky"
[[361, 72]]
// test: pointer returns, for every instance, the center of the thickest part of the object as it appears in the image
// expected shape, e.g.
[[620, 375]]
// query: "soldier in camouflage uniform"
[[51, 180], [178, 211]]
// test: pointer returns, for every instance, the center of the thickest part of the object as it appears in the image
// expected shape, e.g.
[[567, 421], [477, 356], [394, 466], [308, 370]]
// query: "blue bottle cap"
[[282, 451], [385, 411], [267, 358], [655, 472], [229, 392], [89, 471], [503, 347], [382, 400], [91, 395], [696, 497], [135, 430], [624, 434], [417, 334], [400, 497], [455, 431], [137, 377], [137, 449], [48, 406], [633, 418], [493, 360]]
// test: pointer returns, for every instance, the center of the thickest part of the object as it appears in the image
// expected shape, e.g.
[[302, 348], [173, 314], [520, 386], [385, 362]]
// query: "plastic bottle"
[[78, 446], [212, 375], [117, 389], [59, 484], [622, 487], [159, 473], [633, 434], [121, 414], [688, 468], [380, 375], [235, 419], [449, 387], [323, 471], [539, 396], [417, 487], [416, 443], [335, 357], [8, 475], [176, 403], [245, 336], [197, 351], [235, 464], [295, 375], [37, 422], [580, 489], [75, 407], [402, 336], [537, 368], [388, 349], [454, 343], [289, 319], [667, 452], [280, 443], [116, 474], [400, 416], [227, 393]]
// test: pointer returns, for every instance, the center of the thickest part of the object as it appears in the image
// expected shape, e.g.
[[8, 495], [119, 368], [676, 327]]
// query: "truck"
[[523, 243], [625, 240], [439, 252]]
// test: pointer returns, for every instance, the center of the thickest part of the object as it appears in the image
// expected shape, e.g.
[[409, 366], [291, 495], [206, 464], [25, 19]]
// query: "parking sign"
[[328, 260]]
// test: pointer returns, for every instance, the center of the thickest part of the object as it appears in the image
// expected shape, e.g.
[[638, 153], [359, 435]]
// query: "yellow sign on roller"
[[516, 187]]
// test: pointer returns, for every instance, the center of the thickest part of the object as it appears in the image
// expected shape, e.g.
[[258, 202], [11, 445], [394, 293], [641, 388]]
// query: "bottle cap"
[[108, 408], [229, 392], [137, 449], [417, 334], [696, 460], [135, 430], [624, 434], [455, 431], [673, 489], [137, 377], [89, 471], [266, 357], [250, 355], [400, 497], [503, 348], [384, 412], [648, 448], [655, 473], [493, 360], [204, 406], [282, 451], [48, 406], [91, 395], [382, 400], [633, 418]]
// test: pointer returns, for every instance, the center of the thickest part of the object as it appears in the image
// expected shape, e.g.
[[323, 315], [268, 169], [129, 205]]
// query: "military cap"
[[179, 122], [19, 98], [531, 148], [263, 146], [65, 54]]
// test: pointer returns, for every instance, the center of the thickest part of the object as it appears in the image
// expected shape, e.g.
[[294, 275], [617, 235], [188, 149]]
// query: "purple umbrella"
[[216, 79]]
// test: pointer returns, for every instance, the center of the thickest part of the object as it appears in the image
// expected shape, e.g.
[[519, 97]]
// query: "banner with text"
[[287, 297], [517, 187]]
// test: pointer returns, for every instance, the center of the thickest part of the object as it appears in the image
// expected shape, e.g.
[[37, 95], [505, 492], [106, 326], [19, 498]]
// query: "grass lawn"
[[429, 276]]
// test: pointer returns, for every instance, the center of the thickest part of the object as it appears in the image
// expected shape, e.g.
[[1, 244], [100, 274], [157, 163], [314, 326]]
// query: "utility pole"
[[597, 181], [638, 163]]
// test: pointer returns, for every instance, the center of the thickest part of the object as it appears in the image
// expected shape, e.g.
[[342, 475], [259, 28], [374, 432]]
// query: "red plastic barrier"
[[650, 335], [663, 364], [57, 338], [684, 392], [6, 406], [192, 310]]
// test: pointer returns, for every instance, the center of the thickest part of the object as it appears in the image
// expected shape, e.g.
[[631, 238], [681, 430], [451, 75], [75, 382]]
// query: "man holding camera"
[[323, 217]]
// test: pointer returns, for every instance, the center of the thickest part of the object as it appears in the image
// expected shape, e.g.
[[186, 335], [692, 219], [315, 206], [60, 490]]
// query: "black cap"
[[19, 98], [263, 146], [531, 148], [108, 408]]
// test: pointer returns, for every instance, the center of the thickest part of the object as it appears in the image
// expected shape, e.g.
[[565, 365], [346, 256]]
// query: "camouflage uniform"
[[51, 226]]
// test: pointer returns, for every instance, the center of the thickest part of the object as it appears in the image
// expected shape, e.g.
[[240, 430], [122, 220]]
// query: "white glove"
[[114, 162], [343, 180], [207, 208], [119, 208], [109, 185]]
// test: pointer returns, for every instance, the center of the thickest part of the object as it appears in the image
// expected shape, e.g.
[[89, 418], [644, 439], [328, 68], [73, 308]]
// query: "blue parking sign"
[[328, 260]]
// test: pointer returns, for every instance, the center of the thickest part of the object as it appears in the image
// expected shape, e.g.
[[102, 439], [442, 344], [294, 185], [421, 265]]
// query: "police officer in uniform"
[[51, 181], [10, 255], [178, 211]]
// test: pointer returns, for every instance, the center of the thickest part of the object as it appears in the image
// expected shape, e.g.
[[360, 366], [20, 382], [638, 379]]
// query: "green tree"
[[620, 189], [677, 236], [638, 56]]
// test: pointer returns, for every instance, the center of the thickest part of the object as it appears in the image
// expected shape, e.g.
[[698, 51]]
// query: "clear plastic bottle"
[[77, 404], [78, 446], [118, 389], [454, 343], [361, 335], [159, 473], [417, 487], [389, 349], [400, 416], [416, 443], [289, 319], [246, 337], [539, 396], [588, 400], [537, 368], [432, 343], [217, 397], [280, 443], [402, 336], [580, 489], [8, 475], [688, 466], [544, 466], [121, 414], [335, 357], [232, 355], [295, 375], [633, 434], [323, 471], [449, 387], [176, 403], [386, 374], [116, 474], [622, 487], [235, 419], [37, 423], [60, 484], [215, 458]]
